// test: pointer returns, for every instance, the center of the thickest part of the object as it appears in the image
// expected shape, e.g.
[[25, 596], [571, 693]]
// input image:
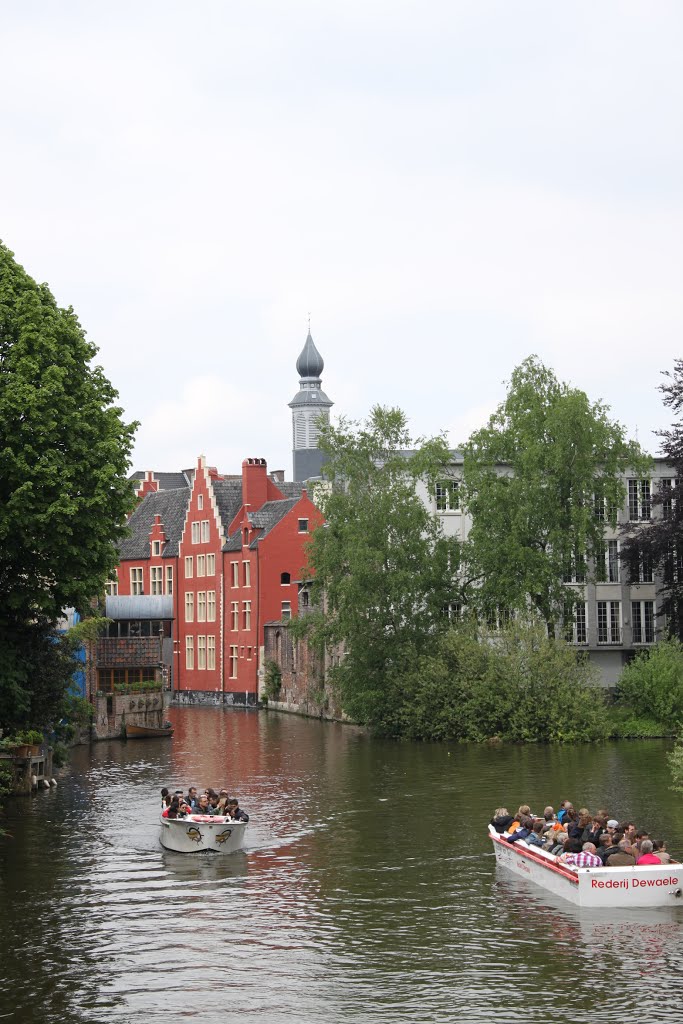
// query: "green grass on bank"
[[626, 724]]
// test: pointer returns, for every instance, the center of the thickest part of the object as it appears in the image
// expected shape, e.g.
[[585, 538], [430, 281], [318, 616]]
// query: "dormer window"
[[156, 548], [246, 535]]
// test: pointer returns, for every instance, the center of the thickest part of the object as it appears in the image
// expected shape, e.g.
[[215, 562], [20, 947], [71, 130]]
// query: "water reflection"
[[367, 889]]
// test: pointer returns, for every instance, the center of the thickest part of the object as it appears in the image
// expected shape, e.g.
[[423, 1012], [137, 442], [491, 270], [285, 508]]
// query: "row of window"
[[206, 652], [160, 581], [608, 567], [609, 622], [108, 678], [235, 574], [639, 499], [205, 604], [206, 566]]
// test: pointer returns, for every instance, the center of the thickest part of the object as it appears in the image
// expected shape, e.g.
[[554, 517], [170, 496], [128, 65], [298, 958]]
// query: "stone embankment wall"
[[304, 689], [113, 710]]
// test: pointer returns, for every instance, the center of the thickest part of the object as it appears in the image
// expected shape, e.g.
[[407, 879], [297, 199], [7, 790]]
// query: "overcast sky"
[[446, 187]]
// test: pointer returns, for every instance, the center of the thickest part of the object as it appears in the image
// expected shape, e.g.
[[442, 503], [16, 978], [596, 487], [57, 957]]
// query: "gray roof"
[[290, 488], [311, 396], [267, 517], [228, 494], [166, 481], [171, 506], [310, 363], [139, 606]]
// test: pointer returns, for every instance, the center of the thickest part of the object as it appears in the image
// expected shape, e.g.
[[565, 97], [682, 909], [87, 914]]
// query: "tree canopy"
[[659, 541], [541, 479], [383, 571], [64, 457]]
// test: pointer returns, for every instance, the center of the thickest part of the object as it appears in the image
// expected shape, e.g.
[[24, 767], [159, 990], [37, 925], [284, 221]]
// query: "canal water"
[[367, 891]]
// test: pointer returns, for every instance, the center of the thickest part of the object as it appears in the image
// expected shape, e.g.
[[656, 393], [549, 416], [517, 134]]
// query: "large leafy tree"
[[383, 571], [64, 456], [534, 478], [659, 541]]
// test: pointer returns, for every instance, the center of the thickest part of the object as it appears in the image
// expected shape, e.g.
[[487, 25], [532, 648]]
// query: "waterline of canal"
[[367, 890]]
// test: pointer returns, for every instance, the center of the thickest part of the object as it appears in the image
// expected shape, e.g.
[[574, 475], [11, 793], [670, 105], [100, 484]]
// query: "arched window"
[[285, 579]]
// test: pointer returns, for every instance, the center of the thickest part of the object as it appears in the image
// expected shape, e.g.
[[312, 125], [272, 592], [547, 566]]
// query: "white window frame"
[[156, 548], [234, 616], [189, 567], [111, 587], [303, 525], [169, 580], [201, 606], [156, 580], [210, 653], [639, 499], [200, 502], [201, 565], [201, 653], [608, 617], [211, 564], [235, 573], [233, 659], [646, 622], [247, 573], [189, 606], [447, 495], [211, 606], [285, 611], [189, 653], [196, 533], [137, 585], [246, 615], [205, 532]]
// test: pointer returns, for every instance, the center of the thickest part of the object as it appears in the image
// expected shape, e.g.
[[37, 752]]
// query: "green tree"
[[652, 684], [658, 541], [64, 495], [383, 571], [541, 479], [515, 684]]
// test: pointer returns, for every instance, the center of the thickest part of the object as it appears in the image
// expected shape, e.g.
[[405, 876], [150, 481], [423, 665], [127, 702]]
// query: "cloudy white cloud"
[[446, 187]]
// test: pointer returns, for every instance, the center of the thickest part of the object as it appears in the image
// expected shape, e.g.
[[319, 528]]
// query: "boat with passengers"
[[202, 833], [646, 885]]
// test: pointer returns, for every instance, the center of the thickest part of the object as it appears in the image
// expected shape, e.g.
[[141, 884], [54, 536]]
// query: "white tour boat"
[[654, 885], [201, 833]]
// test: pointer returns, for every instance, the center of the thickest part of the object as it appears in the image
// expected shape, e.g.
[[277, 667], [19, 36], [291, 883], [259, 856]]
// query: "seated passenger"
[[604, 845], [621, 857], [172, 810], [556, 841], [203, 805], [586, 858], [192, 799], [236, 812], [565, 805], [523, 829], [536, 836], [646, 854], [501, 819], [659, 848], [593, 829]]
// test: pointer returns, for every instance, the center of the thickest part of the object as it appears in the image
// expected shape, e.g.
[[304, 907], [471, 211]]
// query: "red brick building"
[[226, 554]]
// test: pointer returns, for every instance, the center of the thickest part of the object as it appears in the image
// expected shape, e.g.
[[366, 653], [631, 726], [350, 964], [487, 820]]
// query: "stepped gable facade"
[[227, 552]]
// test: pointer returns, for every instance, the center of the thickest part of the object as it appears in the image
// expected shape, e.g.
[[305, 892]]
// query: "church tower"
[[310, 408]]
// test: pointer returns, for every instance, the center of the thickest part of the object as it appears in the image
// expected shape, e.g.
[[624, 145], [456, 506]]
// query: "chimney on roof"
[[278, 476], [254, 483]]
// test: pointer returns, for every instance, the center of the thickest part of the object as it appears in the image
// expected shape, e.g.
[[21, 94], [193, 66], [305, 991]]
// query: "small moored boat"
[[202, 833], [654, 885], [143, 731]]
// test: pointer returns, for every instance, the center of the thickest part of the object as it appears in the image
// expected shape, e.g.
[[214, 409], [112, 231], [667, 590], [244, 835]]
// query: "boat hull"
[[202, 834], [146, 732], [657, 885]]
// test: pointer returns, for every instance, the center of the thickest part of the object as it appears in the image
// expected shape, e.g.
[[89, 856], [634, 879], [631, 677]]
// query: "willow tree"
[[64, 494], [383, 571], [541, 481]]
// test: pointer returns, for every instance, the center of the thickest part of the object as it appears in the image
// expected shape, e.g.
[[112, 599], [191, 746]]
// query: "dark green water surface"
[[367, 892]]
